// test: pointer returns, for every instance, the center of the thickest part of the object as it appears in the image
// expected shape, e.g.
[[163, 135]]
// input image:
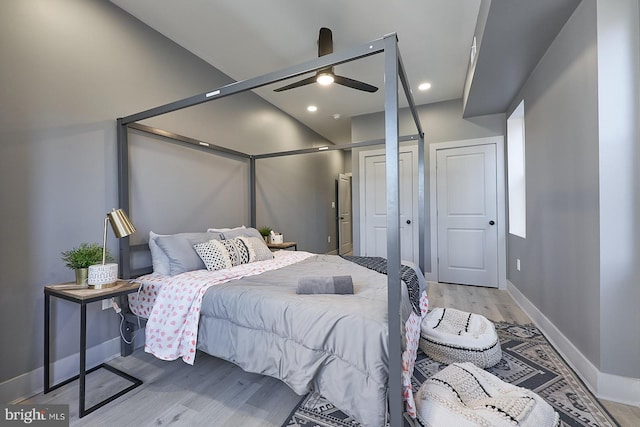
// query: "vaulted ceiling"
[[248, 38]]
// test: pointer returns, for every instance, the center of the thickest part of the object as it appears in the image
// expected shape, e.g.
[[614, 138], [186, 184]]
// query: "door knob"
[[408, 221], [492, 222]]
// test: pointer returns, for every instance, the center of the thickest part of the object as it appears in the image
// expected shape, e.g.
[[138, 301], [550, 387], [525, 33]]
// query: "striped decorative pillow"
[[258, 250]]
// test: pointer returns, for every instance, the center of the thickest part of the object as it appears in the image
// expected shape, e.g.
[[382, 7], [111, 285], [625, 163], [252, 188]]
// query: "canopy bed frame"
[[393, 66]]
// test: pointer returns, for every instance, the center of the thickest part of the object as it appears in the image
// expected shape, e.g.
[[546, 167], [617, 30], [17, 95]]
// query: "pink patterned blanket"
[[172, 303]]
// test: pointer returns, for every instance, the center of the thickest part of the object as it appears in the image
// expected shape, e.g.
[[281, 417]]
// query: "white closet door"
[[373, 189], [467, 213]]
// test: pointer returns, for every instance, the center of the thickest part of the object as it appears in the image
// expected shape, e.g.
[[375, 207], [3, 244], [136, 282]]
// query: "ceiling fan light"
[[325, 79]]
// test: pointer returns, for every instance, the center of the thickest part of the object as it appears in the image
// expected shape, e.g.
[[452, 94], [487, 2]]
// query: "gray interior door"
[[345, 222]]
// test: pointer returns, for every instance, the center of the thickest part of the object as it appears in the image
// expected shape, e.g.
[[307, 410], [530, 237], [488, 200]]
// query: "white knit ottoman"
[[450, 335], [464, 395]]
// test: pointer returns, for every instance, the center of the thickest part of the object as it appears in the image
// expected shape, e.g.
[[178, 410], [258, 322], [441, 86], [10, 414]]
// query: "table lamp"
[[106, 275]]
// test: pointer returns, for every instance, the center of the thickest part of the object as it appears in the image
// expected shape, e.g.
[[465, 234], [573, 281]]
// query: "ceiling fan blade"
[[325, 42], [302, 82], [354, 84], [325, 47]]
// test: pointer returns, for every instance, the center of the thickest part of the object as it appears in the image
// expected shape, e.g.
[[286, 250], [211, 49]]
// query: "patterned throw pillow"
[[258, 250], [213, 254], [219, 254], [238, 251]]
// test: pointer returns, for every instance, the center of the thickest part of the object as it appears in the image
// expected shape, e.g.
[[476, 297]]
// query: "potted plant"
[[81, 257], [265, 231]]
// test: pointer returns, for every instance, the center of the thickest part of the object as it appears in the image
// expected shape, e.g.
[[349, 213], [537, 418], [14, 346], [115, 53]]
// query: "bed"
[[251, 314], [394, 337]]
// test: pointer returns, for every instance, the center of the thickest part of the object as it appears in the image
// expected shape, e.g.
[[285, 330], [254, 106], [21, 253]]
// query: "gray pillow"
[[179, 249], [258, 249], [241, 232], [159, 259]]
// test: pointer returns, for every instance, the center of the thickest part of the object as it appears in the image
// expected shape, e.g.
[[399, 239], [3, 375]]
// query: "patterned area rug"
[[528, 360]]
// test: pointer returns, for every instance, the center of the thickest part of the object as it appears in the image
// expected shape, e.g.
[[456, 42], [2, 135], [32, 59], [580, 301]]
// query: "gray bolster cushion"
[[325, 285]]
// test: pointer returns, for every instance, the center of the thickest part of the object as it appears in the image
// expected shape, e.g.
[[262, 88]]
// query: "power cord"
[[118, 310]]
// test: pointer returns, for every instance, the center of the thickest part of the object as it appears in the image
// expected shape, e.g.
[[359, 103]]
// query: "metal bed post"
[[252, 190], [421, 183], [351, 145], [124, 253], [421, 207], [393, 228], [372, 48]]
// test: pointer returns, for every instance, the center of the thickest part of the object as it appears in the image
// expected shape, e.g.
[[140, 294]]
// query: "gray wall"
[[618, 109], [295, 195], [69, 68], [579, 260], [559, 258], [441, 122]]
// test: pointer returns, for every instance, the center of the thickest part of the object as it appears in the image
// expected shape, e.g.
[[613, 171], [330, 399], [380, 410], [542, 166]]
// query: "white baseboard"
[[605, 386], [619, 389], [31, 383]]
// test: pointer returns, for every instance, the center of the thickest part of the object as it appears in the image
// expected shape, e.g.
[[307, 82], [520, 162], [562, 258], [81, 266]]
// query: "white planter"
[[102, 276]]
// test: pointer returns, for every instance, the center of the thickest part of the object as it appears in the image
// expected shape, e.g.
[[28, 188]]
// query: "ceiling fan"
[[326, 76]]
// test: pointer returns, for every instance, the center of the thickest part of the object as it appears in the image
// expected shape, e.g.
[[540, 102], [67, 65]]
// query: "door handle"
[[408, 221], [492, 222]]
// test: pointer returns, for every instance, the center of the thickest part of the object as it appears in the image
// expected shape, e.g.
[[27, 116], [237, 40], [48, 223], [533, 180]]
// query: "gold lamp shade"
[[122, 226]]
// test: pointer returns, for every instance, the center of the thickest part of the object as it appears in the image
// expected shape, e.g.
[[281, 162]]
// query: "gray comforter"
[[334, 344]]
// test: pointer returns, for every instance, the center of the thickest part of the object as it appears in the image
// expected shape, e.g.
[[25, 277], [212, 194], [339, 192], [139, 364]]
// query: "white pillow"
[[241, 232], [222, 230]]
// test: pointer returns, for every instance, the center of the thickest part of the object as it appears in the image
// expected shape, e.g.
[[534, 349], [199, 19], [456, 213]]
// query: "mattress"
[[334, 344]]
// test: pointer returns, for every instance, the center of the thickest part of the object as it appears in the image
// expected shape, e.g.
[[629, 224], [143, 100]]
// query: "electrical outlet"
[[518, 264], [106, 303], [333, 205], [328, 239]]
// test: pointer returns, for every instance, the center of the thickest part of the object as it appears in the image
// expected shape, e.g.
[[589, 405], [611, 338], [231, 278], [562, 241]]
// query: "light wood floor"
[[217, 393]]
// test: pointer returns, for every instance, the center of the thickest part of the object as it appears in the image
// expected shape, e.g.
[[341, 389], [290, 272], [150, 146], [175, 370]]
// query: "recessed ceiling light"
[[424, 86], [312, 108]]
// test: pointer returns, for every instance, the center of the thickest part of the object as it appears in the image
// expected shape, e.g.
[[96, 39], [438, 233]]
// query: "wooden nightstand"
[[284, 245], [83, 296]]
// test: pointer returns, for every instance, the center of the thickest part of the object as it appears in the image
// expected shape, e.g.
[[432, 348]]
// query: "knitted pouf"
[[450, 335], [464, 395]]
